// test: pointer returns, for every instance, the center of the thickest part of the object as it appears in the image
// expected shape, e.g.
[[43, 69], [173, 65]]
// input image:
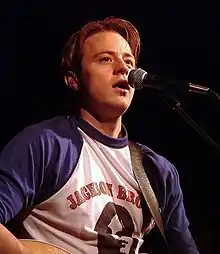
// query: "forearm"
[[9, 244]]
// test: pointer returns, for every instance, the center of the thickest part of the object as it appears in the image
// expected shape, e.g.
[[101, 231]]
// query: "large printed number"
[[115, 220]]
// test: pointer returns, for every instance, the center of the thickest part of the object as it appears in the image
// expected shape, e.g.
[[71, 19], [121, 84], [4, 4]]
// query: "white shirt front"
[[98, 210]]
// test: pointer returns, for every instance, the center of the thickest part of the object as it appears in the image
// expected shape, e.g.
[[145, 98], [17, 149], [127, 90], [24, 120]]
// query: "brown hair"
[[72, 51]]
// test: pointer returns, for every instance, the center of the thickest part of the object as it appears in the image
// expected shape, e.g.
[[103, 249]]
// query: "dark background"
[[179, 40]]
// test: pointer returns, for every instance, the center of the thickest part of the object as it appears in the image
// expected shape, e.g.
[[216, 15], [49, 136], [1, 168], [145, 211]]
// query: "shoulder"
[[63, 127], [47, 140], [162, 174], [162, 165], [54, 129]]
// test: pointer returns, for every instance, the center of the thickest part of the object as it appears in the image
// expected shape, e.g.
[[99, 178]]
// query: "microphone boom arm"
[[203, 90]]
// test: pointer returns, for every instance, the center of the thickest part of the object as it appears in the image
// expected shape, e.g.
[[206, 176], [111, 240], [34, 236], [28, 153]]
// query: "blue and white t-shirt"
[[65, 183]]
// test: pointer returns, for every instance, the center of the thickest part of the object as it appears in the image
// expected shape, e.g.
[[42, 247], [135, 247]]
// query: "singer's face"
[[106, 61]]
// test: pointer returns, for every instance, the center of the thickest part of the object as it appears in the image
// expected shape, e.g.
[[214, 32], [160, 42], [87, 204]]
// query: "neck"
[[110, 127]]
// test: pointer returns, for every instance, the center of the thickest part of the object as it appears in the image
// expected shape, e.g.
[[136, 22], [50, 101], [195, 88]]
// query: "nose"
[[121, 68]]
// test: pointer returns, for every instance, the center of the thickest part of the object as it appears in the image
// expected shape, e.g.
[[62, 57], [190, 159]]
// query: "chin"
[[120, 109], [114, 108]]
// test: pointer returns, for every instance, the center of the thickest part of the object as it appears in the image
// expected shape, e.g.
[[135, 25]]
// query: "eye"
[[105, 59], [130, 62]]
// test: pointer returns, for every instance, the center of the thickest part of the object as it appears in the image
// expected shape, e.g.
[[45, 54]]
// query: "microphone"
[[138, 79]]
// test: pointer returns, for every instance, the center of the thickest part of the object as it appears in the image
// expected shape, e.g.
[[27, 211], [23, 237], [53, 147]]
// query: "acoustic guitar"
[[39, 247]]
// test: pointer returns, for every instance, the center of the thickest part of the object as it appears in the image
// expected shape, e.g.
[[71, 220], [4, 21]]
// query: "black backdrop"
[[178, 40]]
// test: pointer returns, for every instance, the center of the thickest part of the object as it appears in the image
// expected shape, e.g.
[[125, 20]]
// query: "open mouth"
[[123, 84]]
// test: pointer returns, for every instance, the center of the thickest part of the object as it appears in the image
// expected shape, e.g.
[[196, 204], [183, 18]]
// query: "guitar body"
[[38, 247]]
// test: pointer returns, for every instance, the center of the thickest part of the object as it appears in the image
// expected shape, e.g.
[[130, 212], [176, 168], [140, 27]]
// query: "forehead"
[[105, 41]]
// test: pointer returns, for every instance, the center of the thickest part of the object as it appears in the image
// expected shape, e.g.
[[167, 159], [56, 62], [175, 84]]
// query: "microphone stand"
[[174, 103]]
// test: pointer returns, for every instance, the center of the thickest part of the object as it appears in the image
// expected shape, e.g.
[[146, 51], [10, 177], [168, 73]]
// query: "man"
[[68, 180]]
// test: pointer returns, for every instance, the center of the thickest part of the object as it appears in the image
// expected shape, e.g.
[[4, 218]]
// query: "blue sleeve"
[[176, 225], [22, 164], [165, 182], [36, 164]]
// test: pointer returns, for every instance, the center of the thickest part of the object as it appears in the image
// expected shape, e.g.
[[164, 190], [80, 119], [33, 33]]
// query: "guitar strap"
[[145, 186]]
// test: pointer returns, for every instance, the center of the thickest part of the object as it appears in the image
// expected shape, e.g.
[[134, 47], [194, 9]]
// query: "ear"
[[71, 81]]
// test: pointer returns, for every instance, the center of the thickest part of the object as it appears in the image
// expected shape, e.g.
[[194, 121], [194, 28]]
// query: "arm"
[[176, 223], [10, 244], [166, 185], [19, 183], [31, 162]]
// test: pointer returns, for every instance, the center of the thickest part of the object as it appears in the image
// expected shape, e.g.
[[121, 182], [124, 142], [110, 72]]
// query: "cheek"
[[87, 81], [93, 86], [97, 81]]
